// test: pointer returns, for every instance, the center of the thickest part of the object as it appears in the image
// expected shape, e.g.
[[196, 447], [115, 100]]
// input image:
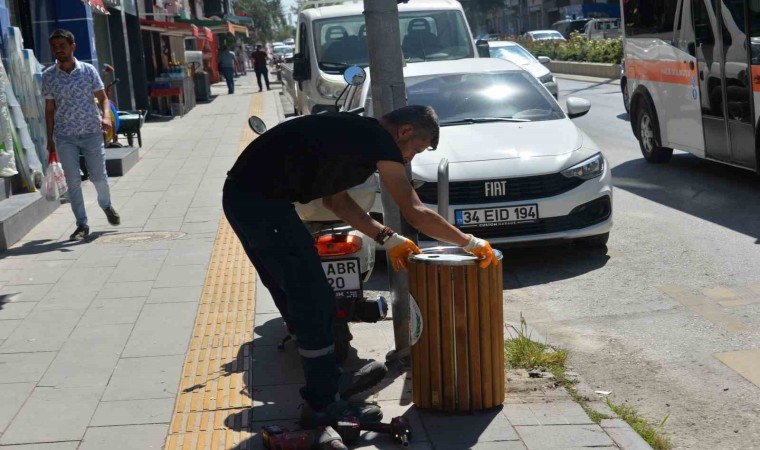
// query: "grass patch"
[[648, 432], [521, 352]]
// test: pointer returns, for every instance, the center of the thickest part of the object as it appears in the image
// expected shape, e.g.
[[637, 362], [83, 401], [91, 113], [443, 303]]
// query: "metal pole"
[[389, 93], [443, 190]]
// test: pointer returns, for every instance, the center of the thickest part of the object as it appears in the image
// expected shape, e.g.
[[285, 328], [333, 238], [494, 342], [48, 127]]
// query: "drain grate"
[[142, 237]]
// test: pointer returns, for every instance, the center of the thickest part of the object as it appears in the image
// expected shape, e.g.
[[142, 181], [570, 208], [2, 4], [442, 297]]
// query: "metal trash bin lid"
[[448, 256]]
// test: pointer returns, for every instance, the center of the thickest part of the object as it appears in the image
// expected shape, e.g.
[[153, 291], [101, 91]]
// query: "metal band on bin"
[[448, 256]]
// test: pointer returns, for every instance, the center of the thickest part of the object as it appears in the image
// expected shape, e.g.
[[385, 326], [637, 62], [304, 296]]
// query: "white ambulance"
[[693, 69]]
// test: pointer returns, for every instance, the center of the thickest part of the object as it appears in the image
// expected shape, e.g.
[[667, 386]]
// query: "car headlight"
[[328, 89], [548, 78], [588, 169]]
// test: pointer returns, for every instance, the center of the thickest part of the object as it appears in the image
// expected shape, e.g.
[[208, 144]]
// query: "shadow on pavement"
[[537, 265], [624, 116], [718, 193], [48, 245], [525, 265]]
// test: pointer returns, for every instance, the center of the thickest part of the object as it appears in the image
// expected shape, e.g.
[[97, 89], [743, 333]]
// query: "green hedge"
[[578, 48]]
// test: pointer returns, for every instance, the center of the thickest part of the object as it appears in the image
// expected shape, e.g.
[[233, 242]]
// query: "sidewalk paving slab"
[[52, 414]]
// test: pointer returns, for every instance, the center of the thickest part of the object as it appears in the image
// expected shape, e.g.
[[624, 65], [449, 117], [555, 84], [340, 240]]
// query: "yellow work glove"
[[399, 249], [482, 249]]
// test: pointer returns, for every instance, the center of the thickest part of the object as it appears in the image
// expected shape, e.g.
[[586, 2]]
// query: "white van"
[[331, 38]]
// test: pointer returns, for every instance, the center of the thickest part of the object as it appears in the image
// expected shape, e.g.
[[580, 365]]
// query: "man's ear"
[[405, 131]]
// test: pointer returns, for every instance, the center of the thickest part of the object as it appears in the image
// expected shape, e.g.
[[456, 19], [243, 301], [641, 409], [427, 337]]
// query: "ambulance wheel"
[[647, 132]]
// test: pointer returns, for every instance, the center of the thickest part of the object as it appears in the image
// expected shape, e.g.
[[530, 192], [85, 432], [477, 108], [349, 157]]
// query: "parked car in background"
[[544, 35], [515, 53], [289, 41], [283, 53], [603, 29], [519, 168], [569, 26]]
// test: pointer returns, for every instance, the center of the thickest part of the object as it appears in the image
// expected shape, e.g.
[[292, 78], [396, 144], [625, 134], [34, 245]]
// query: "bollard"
[[458, 359]]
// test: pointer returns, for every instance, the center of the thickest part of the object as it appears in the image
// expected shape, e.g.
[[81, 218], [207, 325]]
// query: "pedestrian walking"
[[240, 56], [321, 156], [260, 58], [76, 124], [227, 63]]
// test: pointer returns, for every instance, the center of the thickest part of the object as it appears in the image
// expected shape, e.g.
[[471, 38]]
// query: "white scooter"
[[347, 255]]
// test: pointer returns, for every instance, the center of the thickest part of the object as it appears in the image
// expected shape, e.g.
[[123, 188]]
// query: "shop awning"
[[96, 5], [216, 26], [177, 29]]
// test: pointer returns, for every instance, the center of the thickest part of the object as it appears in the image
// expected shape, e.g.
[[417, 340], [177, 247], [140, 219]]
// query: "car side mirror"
[[354, 76], [544, 59], [484, 49], [257, 125], [301, 70], [577, 107]]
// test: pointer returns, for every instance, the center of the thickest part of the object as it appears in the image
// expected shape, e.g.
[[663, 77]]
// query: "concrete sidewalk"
[[95, 337]]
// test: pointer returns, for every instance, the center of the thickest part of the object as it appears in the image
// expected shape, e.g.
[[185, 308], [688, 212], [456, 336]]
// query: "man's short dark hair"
[[62, 34], [422, 118]]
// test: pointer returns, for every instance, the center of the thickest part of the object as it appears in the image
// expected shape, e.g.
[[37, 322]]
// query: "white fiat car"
[[519, 168]]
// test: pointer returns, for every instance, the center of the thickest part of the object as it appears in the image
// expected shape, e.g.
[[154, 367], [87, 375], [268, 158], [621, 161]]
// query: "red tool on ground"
[[399, 429], [323, 438]]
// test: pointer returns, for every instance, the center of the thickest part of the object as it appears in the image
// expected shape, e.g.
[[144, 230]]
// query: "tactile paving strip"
[[214, 400]]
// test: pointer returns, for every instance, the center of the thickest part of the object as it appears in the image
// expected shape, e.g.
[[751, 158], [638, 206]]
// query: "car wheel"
[[600, 240], [647, 133], [626, 95]]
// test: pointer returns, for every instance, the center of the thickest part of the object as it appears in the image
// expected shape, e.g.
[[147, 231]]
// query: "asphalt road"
[[679, 283], [678, 286]]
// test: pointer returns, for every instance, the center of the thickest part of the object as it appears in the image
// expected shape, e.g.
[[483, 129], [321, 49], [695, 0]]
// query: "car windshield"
[[283, 50], [475, 97], [539, 36], [514, 53], [425, 36]]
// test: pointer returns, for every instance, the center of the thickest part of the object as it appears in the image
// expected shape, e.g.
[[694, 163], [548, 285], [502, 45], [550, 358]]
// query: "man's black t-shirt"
[[314, 156]]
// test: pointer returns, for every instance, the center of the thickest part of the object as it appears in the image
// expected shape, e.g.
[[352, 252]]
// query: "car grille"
[[524, 188]]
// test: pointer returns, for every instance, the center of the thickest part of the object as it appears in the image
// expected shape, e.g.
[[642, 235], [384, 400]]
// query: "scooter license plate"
[[344, 275]]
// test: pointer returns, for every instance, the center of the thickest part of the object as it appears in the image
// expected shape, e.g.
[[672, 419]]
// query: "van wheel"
[[626, 95], [647, 132], [600, 240]]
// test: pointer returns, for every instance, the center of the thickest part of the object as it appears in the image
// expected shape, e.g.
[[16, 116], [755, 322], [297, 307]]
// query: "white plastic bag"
[[54, 184]]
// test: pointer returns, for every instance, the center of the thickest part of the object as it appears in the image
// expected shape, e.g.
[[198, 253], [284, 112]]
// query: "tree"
[[268, 17]]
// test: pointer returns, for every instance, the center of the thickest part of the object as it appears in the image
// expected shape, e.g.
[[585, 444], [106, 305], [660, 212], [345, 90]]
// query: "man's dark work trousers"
[[283, 253], [262, 72]]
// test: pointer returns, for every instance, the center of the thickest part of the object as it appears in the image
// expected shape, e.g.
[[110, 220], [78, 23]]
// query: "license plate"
[[490, 217], [344, 275]]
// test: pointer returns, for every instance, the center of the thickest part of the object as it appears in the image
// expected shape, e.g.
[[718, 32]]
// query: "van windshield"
[[425, 36]]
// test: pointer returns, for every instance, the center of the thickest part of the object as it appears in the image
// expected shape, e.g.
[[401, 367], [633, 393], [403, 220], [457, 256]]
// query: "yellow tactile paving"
[[212, 409]]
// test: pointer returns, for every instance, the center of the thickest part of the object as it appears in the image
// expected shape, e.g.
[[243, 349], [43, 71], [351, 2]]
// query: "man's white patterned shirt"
[[76, 112]]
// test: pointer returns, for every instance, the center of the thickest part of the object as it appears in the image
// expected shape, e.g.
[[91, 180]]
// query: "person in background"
[[75, 123], [240, 58], [227, 64], [260, 58]]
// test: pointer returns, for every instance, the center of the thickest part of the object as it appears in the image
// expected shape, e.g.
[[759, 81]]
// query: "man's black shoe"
[[364, 379], [365, 412], [113, 217], [80, 233]]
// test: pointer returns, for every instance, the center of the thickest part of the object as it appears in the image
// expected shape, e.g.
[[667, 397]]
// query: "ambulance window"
[[702, 28], [754, 30], [650, 18]]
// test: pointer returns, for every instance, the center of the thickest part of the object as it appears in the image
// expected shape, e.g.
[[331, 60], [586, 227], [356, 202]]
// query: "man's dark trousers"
[[262, 71], [283, 253], [229, 77]]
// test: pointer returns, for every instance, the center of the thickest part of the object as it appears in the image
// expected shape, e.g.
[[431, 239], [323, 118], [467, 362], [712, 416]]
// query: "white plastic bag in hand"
[[54, 184]]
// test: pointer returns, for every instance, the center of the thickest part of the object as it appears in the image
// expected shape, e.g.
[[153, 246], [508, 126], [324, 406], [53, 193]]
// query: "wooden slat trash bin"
[[458, 357]]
